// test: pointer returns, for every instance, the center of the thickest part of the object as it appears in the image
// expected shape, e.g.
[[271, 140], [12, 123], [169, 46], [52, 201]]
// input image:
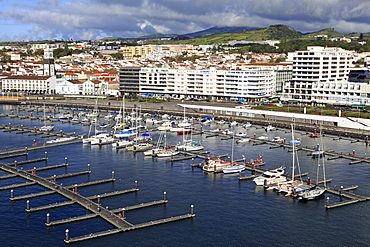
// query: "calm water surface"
[[228, 212]]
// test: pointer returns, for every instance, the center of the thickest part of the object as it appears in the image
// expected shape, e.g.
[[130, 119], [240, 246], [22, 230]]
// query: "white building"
[[68, 87], [254, 82], [315, 70], [29, 84]]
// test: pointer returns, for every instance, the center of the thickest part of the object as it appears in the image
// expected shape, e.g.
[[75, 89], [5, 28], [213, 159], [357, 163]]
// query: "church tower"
[[49, 66]]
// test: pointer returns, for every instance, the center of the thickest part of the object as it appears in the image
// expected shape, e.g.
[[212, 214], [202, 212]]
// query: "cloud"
[[91, 19]]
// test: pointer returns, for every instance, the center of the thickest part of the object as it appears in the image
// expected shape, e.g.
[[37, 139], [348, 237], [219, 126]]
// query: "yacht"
[[271, 177]]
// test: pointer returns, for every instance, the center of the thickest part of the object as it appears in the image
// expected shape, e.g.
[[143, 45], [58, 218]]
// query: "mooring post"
[[165, 196], [327, 201], [67, 235], [11, 194], [66, 160], [55, 178], [341, 190], [15, 164], [98, 199], [112, 175], [46, 154], [26, 151], [192, 209], [192, 161], [47, 219], [88, 167], [28, 205], [136, 184]]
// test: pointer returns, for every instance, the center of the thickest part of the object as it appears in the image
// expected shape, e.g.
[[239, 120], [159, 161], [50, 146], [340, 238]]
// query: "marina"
[[73, 221]]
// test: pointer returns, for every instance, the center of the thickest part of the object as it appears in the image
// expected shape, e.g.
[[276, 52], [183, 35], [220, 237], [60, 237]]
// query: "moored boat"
[[271, 177], [234, 169], [216, 165]]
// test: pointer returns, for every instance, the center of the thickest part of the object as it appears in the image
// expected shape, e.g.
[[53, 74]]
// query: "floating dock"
[[70, 192]]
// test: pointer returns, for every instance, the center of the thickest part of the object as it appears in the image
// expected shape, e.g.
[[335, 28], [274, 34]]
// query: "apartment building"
[[315, 71], [251, 83]]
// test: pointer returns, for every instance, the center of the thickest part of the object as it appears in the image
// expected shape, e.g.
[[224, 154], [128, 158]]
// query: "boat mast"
[[293, 146]]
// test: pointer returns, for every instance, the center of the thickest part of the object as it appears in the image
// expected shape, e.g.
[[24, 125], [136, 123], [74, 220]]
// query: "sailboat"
[[189, 145], [219, 165], [234, 167], [166, 151], [314, 192], [98, 135], [292, 186], [46, 127], [121, 130]]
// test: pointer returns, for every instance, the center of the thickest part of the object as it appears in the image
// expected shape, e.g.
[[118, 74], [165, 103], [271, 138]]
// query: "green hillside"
[[275, 32], [330, 32]]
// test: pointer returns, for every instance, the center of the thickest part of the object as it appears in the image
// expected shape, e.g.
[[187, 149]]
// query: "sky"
[[31, 20]]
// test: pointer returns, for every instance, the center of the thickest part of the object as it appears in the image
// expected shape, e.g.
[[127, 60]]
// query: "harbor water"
[[228, 211]]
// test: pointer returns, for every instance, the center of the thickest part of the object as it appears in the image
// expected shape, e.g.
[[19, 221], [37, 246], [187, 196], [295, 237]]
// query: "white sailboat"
[[314, 192], [234, 167], [98, 134], [46, 127], [290, 187], [188, 145]]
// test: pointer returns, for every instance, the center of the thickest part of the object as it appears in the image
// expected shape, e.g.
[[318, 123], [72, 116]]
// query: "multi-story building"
[[316, 69], [129, 79], [254, 82], [29, 84]]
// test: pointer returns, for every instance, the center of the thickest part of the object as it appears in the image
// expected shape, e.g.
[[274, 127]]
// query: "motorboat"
[[243, 140], [61, 139], [313, 135], [167, 125], [270, 128], [263, 137], [101, 141], [295, 142], [122, 144], [227, 132], [255, 162], [277, 139], [47, 127], [271, 177], [317, 153], [216, 165], [140, 147], [241, 134]]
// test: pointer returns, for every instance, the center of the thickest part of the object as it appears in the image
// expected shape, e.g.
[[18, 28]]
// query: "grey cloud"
[[132, 18]]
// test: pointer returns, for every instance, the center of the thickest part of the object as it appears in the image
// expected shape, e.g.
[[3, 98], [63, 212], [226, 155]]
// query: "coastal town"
[[186, 141], [316, 75]]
